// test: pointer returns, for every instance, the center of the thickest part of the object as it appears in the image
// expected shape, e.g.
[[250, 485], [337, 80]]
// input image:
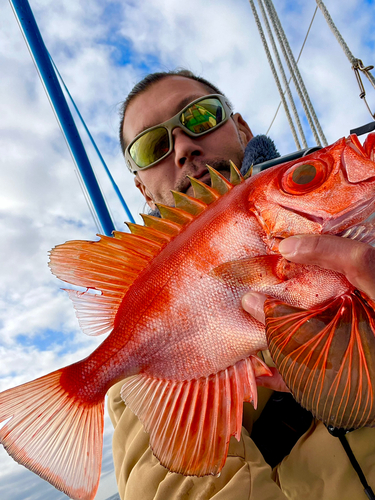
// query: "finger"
[[275, 382], [354, 259], [253, 303]]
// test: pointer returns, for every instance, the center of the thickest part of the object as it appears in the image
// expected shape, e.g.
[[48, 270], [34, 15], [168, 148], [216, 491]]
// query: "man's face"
[[190, 154]]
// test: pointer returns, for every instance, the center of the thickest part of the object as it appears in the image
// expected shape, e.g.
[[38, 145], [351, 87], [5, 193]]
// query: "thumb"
[[253, 303]]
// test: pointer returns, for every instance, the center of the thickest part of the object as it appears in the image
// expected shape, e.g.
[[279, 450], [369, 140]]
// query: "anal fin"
[[326, 357], [190, 422]]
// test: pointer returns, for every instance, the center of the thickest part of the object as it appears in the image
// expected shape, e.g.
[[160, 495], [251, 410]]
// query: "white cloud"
[[41, 203]]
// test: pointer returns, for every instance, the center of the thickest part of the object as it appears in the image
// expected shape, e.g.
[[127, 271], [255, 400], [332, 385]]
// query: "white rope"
[[296, 75], [298, 58], [281, 69], [335, 31], [268, 54], [357, 64]]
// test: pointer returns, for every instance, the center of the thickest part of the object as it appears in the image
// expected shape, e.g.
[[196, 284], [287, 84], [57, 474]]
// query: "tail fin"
[[54, 434]]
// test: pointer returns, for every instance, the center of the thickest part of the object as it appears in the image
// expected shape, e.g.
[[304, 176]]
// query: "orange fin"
[[54, 434], [176, 215], [218, 181], [190, 422], [167, 227], [149, 233], [111, 265], [203, 192], [260, 270], [187, 203], [326, 357]]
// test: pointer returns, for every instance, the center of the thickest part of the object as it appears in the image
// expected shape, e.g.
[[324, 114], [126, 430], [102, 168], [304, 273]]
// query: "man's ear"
[[145, 192], [243, 129]]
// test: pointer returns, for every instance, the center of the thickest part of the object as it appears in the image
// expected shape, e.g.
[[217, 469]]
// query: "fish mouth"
[[360, 214], [314, 218]]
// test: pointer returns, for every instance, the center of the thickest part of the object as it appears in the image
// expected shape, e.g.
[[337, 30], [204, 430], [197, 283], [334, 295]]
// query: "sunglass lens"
[[150, 147], [203, 115]]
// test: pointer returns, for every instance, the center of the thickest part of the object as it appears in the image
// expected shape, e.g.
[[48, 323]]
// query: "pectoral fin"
[[326, 357], [259, 273], [249, 272]]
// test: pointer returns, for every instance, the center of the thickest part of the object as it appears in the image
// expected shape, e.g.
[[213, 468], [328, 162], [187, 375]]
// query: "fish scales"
[[171, 300], [182, 313]]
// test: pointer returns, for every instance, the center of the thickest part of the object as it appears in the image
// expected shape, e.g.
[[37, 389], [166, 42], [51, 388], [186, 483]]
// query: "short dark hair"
[[152, 78]]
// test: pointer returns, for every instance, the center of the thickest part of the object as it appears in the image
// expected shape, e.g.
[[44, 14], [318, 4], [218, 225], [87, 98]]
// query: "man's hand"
[[354, 259]]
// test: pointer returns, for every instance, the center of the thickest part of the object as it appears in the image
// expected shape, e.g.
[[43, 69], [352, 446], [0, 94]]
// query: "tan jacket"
[[316, 469]]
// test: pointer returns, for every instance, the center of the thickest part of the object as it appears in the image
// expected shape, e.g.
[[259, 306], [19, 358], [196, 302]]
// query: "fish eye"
[[302, 178], [304, 174]]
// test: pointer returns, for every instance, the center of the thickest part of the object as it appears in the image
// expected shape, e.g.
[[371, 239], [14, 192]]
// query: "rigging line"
[[335, 31], [77, 171], [298, 58], [357, 64], [79, 176], [294, 72], [264, 41], [87, 198], [114, 185], [296, 75], [283, 75]]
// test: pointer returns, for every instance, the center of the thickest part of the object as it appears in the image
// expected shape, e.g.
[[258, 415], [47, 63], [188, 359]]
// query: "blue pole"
[[114, 185], [34, 39]]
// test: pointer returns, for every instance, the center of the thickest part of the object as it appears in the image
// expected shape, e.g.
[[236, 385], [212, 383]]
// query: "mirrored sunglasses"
[[198, 118]]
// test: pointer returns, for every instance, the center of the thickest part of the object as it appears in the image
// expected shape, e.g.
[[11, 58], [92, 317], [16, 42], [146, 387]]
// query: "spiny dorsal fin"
[[218, 181], [235, 174], [174, 214], [203, 192], [148, 233], [249, 173], [164, 226], [112, 264], [188, 204]]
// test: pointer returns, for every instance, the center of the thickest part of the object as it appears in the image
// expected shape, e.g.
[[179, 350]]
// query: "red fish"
[[171, 298]]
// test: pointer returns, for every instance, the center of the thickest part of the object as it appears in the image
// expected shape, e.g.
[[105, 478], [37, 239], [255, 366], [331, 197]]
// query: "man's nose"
[[185, 147]]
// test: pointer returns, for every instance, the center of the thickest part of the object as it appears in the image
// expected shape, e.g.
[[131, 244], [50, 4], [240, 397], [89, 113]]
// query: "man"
[[316, 466]]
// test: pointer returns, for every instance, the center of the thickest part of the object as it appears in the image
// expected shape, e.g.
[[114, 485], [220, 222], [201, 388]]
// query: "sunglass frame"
[[173, 123]]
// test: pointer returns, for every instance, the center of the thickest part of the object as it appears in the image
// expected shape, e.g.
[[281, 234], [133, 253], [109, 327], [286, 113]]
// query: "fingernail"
[[251, 300], [289, 246]]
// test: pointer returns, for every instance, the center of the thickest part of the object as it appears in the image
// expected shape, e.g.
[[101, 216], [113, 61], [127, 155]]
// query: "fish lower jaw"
[[363, 213]]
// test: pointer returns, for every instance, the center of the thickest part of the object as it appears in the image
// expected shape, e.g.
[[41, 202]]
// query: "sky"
[[102, 48]]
